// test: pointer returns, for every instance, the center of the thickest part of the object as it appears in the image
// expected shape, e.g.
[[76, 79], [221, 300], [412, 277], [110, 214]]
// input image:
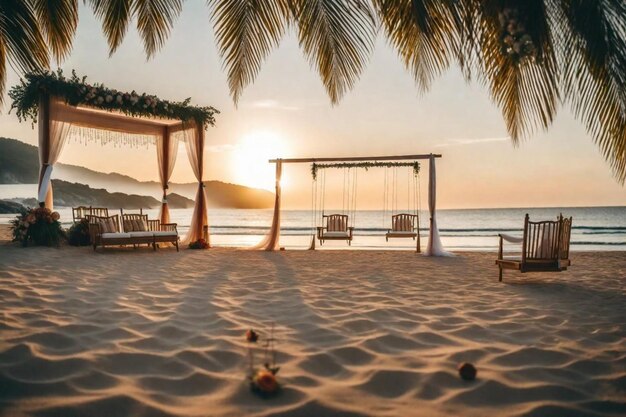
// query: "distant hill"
[[19, 165], [19, 162], [68, 194], [10, 207]]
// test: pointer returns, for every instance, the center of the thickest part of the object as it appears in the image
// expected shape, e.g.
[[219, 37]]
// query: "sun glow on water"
[[250, 159]]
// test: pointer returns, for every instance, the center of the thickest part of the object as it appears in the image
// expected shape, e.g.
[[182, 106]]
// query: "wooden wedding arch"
[[64, 107]]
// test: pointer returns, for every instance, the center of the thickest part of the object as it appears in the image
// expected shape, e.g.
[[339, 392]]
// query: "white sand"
[[134, 333]]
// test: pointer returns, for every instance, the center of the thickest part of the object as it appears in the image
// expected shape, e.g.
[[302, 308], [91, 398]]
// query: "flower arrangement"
[[78, 234], [38, 226], [75, 91], [263, 380], [199, 244], [516, 41], [366, 165]]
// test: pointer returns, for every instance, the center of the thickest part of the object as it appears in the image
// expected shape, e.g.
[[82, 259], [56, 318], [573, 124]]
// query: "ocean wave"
[[595, 229], [573, 242]]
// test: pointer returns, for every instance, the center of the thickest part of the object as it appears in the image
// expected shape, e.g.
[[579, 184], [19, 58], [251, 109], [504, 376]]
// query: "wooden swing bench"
[[545, 247], [336, 228], [403, 226]]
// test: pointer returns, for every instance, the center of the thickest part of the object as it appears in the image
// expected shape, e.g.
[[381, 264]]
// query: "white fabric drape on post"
[[271, 241], [53, 132], [194, 142], [434, 247], [167, 149]]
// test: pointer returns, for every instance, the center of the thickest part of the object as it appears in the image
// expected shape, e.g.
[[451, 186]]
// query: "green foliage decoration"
[[76, 91], [39, 227], [78, 234], [365, 165]]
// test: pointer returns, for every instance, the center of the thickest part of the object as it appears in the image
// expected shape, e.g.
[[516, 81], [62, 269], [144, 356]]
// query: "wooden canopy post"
[[44, 145], [165, 211]]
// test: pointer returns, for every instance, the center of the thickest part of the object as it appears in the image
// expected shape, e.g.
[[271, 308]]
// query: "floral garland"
[[199, 244], [366, 165], [75, 91], [38, 226]]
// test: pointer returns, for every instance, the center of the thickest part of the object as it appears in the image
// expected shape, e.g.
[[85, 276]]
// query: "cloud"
[[471, 141], [271, 105]]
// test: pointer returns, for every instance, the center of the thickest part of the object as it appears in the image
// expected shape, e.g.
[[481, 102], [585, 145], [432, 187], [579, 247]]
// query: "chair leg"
[[500, 278], [177, 245]]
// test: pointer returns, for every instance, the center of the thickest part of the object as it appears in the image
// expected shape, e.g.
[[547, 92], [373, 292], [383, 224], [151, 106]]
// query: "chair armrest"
[[510, 239]]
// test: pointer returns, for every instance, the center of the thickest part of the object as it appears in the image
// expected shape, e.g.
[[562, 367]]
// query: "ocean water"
[[594, 228]]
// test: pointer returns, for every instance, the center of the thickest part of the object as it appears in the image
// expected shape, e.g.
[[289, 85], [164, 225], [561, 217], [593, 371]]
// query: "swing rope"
[[385, 193], [354, 194]]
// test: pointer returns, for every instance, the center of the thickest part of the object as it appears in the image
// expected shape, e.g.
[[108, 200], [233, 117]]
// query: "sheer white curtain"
[[271, 241], [434, 247], [167, 149], [53, 133], [194, 142]]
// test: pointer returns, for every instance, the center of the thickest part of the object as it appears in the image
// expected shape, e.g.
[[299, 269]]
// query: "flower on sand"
[[252, 336], [265, 381]]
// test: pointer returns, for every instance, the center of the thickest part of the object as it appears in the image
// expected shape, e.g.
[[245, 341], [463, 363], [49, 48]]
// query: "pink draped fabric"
[[167, 149], [194, 142], [271, 241], [53, 132]]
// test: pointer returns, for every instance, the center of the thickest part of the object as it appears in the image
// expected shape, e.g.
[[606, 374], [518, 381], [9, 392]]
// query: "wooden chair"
[[79, 213], [545, 247], [99, 211], [336, 228]]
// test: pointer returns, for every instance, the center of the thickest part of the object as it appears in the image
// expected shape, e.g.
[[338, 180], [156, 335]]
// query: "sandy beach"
[[137, 333]]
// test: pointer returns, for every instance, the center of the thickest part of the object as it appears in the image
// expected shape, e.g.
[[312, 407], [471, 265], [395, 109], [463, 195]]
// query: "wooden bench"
[[105, 231]]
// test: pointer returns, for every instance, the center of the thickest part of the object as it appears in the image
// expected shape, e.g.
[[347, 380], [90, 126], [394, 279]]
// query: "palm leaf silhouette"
[[246, 32]]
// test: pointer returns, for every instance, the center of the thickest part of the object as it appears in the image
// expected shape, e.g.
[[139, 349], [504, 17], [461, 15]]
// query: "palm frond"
[[115, 16], [526, 89], [337, 37], [594, 76], [246, 32], [58, 20], [155, 19], [3, 68], [424, 32], [21, 41]]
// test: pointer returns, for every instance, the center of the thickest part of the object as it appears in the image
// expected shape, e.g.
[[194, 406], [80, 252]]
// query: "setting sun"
[[250, 159]]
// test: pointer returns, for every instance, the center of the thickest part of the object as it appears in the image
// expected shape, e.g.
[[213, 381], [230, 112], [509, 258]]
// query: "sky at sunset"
[[286, 113]]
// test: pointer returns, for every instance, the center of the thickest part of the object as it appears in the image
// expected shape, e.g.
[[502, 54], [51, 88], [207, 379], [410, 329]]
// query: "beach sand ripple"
[[136, 333]]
